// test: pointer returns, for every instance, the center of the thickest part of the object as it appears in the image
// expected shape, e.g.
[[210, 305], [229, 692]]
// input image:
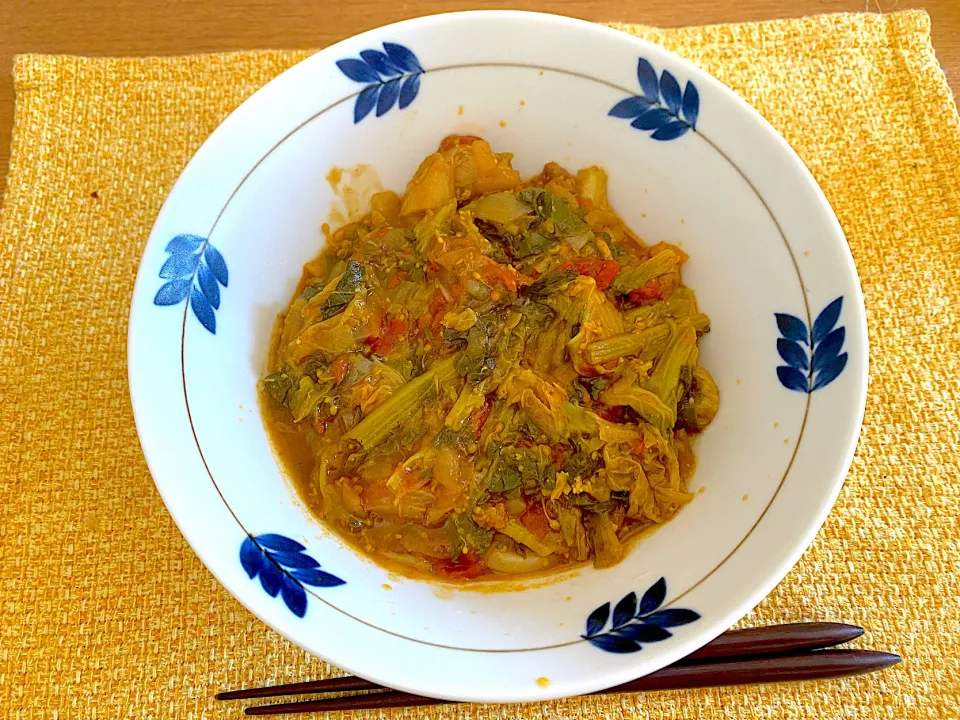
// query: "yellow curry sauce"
[[489, 376]]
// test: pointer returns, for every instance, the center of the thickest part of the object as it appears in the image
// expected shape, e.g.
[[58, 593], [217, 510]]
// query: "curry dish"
[[488, 376]]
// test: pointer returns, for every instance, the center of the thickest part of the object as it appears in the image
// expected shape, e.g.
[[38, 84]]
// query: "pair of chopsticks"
[[777, 653]]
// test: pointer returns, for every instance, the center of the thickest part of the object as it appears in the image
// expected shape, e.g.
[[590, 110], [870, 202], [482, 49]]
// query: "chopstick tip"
[[885, 659], [854, 632]]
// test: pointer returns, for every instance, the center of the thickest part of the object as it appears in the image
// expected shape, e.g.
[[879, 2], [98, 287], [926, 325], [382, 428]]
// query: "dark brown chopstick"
[[817, 665], [751, 642], [340, 684], [774, 640]]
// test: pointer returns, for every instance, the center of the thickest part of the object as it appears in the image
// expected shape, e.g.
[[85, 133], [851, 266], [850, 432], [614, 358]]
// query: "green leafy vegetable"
[[573, 531], [559, 218], [566, 223], [618, 252], [580, 465], [278, 384], [539, 199], [475, 361], [536, 469], [454, 438], [504, 475], [502, 240], [578, 394], [341, 296], [433, 224], [410, 435], [457, 338], [533, 243], [537, 314], [306, 396], [517, 245], [587, 502], [607, 545], [315, 366], [549, 283], [595, 385], [513, 468], [465, 533]]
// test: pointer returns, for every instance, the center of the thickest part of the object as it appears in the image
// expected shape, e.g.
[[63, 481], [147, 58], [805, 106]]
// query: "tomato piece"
[[478, 418], [340, 367], [437, 308], [535, 520], [602, 271], [636, 447], [607, 274], [375, 323], [408, 479], [585, 202], [323, 423], [559, 455], [613, 414], [467, 566], [653, 290], [397, 278], [389, 337], [437, 302], [496, 274]]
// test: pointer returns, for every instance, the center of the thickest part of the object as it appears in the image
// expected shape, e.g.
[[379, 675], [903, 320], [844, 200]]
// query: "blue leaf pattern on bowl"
[[392, 77], [194, 269], [284, 568], [660, 106], [634, 623], [808, 371]]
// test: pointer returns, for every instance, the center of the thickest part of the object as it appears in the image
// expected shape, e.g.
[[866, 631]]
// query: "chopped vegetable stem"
[[403, 404]]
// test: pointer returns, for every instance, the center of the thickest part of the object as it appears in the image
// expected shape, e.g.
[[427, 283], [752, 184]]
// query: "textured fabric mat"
[[106, 612]]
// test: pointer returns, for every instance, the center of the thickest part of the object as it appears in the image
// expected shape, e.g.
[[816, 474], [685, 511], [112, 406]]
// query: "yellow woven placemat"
[[106, 613]]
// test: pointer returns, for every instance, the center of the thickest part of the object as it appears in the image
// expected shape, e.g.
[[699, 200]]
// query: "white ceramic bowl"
[[689, 162]]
